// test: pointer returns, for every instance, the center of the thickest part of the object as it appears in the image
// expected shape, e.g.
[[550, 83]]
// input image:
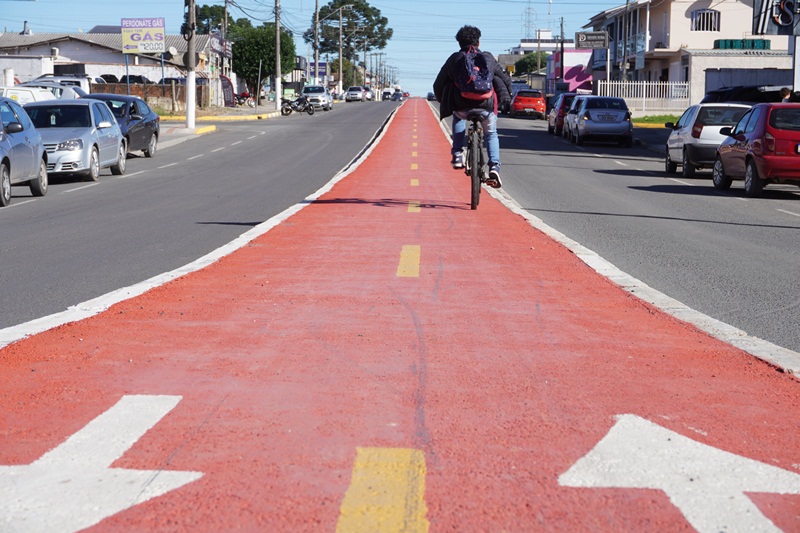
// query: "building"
[[709, 45]]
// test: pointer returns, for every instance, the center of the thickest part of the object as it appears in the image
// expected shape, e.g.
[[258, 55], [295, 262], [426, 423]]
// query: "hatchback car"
[[140, 125], [319, 96], [763, 148], [603, 118], [692, 143], [555, 118], [528, 102], [80, 136], [22, 156], [568, 131], [354, 94]]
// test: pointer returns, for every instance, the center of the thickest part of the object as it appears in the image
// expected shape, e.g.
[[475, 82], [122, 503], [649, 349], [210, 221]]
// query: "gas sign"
[[143, 36]]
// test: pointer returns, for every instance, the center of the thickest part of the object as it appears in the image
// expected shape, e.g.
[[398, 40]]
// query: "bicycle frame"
[[475, 166]]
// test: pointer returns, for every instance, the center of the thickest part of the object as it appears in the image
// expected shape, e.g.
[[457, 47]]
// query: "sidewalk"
[[380, 357]]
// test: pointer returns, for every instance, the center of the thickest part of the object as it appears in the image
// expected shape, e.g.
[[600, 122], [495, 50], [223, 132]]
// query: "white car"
[[80, 137], [354, 94], [318, 96], [692, 143]]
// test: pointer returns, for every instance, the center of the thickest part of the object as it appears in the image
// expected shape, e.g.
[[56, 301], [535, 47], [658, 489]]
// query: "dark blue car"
[[139, 123]]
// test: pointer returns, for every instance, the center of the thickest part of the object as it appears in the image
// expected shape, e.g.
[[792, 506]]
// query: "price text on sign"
[[145, 35]]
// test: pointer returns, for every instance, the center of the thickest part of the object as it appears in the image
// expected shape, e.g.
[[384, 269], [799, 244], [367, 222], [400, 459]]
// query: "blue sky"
[[424, 30]]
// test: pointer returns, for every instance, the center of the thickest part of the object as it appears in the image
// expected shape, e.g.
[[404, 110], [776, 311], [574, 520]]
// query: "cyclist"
[[452, 103]]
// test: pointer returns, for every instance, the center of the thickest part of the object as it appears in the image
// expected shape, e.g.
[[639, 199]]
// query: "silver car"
[[354, 94], [319, 96], [22, 156], [80, 136], [603, 118], [571, 117], [692, 144]]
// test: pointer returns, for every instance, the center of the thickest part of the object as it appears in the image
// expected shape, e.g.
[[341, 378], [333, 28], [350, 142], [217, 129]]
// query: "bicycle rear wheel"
[[474, 156]]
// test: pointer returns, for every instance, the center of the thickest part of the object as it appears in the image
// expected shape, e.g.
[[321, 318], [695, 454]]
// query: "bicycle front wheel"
[[474, 155]]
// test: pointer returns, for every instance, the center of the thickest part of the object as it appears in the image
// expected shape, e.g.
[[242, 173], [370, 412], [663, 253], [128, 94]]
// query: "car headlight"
[[70, 145]]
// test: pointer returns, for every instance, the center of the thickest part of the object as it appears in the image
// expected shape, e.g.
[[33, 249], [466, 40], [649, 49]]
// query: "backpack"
[[474, 79]]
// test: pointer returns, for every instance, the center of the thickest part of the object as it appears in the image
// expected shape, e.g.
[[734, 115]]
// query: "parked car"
[[692, 143], [555, 118], [110, 78], [139, 124], [749, 94], [368, 94], [528, 102], [319, 96], [83, 81], [386, 94], [80, 137], [170, 81], [354, 94], [23, 95], [22, 156], [431, 97], [762, 148], [570, 118], [59, 90], [135, 78], [603, 118]]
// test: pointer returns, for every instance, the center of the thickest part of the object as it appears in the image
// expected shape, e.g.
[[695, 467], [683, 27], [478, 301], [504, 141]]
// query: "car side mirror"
[[14, 127], [669, 125], [727, 130], [104, 124]]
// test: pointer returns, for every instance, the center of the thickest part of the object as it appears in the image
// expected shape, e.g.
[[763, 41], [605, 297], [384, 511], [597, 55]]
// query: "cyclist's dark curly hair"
[[468, 36]]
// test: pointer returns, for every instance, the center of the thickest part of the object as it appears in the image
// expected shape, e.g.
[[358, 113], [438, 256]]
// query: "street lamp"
[[316, 39]]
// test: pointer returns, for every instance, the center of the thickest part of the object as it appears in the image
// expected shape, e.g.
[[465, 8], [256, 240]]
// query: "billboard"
[[776, 17], [143, 36]]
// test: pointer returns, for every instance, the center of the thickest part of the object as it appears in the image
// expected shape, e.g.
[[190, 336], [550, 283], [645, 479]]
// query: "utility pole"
[[626, 28], [339, 83], [278, 88], [562, 49], [189, 61], [316, 43]]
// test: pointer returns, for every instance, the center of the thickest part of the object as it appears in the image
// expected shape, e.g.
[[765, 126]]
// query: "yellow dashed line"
[[409, 261], [415, 182], [413, 154], [414, 166], [413, 206], [414, 145], [386, 493]]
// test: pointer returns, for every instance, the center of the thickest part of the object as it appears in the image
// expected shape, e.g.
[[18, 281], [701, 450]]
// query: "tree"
[[349, 78], [359, 22], [210, 18], [528, 63], [254, 45]]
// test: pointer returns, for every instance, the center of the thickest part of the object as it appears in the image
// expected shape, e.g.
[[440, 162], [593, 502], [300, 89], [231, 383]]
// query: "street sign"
[[591, 39], [143, 36]]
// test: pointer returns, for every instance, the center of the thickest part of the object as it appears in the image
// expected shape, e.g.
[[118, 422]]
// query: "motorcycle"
[[300, 104], [245, 99]]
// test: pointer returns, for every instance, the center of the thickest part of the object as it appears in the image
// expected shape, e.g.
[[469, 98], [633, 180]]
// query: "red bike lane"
[[386, 359]]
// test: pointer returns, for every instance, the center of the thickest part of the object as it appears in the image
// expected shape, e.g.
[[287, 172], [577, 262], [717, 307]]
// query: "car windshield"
[[118, 107], [720, 116], [606, 103], [529, 94], [313, 90], [60, 116], [354, 89], [785, 118]]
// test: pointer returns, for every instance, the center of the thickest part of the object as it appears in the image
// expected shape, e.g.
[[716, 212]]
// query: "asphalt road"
[[733, 258], [83, 239]]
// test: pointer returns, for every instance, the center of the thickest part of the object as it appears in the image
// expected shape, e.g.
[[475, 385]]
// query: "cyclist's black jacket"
[[450, 98]]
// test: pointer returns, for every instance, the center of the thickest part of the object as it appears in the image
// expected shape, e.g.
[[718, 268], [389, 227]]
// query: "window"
[[705, 20]]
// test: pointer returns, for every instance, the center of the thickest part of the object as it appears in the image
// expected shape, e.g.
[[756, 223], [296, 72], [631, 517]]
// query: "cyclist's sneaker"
[[494, 177], [458, 160]]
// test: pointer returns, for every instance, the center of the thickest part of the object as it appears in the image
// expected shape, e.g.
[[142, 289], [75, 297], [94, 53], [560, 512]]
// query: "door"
[[107, 138], [677, 138], [20, 146]]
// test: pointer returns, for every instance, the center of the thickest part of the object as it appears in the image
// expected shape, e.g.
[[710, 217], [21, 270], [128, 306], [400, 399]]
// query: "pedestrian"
[[452, 102], [786, 94]]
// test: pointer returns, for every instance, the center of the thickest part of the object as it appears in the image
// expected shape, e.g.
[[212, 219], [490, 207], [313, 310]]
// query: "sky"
[[424, 30]]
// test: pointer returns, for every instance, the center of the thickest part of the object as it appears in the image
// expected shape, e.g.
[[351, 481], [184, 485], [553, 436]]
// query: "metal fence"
[[649, 97]]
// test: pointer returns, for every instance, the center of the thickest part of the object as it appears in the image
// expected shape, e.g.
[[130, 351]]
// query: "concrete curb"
[[223, 118]]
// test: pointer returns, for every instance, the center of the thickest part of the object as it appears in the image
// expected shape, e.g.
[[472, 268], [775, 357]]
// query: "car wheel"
[[39, 184], [721, 180], [670, 166], [688, 169], [753, 184], [152, 146], [122, 158], [93, 173], [5, 185]]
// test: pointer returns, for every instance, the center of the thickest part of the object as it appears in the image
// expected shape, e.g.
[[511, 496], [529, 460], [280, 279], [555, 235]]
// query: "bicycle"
[[475, 166]]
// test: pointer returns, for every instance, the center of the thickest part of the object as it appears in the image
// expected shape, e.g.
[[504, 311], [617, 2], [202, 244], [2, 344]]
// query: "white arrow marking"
[[705, 483], [73, 487]]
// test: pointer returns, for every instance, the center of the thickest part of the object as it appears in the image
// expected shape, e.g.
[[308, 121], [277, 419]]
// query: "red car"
[[528, 102], [555, 119], [763, 147]]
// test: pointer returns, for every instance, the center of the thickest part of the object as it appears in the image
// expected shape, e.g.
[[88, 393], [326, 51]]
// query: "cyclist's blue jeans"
[[489, 123]]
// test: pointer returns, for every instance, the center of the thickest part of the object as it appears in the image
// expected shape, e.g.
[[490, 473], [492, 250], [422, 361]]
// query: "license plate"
[[606, 118], [528, 110]]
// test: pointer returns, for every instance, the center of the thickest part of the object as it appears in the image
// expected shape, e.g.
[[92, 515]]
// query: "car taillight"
[[769, 142], [697, 129]]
